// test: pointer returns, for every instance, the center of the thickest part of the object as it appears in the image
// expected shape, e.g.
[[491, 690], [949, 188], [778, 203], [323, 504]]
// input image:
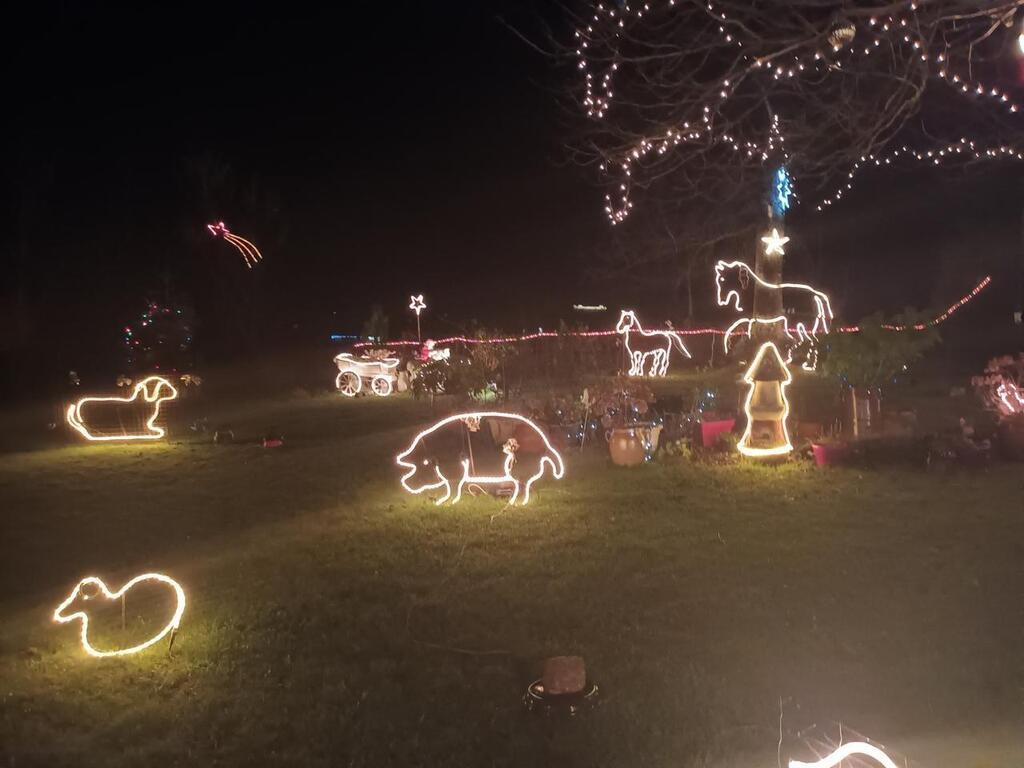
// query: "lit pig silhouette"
[[455, 453]]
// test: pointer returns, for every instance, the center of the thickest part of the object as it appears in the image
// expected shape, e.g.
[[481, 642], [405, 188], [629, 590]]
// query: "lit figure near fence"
[[91, 591], [642, 345], [734, 280], [153, 390]]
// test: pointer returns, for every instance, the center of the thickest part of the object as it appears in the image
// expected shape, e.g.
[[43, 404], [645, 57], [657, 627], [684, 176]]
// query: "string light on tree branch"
[[962, 151]]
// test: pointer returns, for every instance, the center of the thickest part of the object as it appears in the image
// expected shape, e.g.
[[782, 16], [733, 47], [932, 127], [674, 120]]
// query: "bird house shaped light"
[[766, 406]]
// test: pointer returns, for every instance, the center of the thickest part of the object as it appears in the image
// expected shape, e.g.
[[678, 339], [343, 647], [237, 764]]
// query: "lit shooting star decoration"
[[846, 751], [417, 305], [249, 252]]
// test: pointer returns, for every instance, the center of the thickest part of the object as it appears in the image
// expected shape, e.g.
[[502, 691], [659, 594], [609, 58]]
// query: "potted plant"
[[1001, 389], [622, 406], [829, 450], [874, 356], [713, 422]]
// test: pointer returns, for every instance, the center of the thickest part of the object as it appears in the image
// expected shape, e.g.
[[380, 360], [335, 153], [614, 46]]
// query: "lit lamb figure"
[[91, 591]]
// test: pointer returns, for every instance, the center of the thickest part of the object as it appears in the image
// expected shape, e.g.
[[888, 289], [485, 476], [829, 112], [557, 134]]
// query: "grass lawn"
[[334, 620]]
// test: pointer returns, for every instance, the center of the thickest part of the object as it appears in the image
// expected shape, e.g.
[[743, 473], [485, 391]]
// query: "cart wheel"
[[348, 383], [381, 386]]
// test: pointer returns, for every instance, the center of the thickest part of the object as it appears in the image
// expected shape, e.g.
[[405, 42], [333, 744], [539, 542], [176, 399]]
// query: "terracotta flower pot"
[[628, 445]]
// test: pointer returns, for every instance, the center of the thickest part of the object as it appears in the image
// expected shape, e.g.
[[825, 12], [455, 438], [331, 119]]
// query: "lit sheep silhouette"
[[154, 390], [91, 590]]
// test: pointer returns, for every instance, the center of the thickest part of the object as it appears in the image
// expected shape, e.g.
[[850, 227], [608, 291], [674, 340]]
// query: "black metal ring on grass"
[[537, 700]]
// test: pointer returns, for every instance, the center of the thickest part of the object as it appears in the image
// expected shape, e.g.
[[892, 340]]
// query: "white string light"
[[963, 150], [427, 472], [83, 593], [846, 751], [641, 345], [352, 371], [895, 29], [150, 388]]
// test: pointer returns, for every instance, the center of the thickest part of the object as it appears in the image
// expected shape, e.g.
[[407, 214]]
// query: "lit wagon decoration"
[[354, 373]]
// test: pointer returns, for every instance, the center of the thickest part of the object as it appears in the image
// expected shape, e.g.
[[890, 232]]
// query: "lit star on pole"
[[417, 305], [773, 243]]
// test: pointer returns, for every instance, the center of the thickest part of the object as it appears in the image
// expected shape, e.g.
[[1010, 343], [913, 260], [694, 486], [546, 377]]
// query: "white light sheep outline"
[[94, 580]]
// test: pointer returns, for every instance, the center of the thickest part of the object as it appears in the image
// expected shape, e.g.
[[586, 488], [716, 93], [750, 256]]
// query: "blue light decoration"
[[782, 192]]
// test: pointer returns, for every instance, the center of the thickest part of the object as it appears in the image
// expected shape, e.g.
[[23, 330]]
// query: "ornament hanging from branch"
[[250, 253]]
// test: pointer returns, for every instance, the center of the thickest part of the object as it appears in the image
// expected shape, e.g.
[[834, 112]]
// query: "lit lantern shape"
[[852, 749], [643, 346], [479, 448], [766, 407], [91, 591], [150, 393], [378, 373]]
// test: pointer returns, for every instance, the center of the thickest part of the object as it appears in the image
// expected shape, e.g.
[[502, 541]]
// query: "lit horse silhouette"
[[735, 280], [641, 344]]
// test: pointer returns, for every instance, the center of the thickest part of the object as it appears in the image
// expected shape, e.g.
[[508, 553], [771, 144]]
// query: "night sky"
[[395, 148]]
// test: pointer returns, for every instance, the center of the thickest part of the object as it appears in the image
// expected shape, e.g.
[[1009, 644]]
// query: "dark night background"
[[394, 149]]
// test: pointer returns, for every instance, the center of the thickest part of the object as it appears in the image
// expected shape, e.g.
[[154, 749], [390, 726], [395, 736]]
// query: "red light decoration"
[[249, 252]]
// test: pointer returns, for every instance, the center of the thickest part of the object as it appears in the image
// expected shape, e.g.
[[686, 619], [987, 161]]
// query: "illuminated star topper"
[[249, 252], [416, 304], [773, 243]]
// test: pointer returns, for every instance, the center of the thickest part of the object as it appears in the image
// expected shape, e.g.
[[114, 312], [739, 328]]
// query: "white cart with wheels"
[[356, 372]]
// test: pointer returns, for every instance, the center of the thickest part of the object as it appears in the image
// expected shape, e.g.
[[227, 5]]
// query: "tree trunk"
[[768, 302]]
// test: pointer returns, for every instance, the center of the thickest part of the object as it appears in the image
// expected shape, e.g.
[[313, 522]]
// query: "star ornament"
[[417, 304], [773, 243]]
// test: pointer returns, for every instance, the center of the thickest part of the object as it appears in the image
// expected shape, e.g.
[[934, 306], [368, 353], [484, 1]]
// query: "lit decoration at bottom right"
[[846, 751], [766, 406]]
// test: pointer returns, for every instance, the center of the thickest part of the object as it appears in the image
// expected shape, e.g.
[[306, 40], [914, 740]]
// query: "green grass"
[[334, 620]]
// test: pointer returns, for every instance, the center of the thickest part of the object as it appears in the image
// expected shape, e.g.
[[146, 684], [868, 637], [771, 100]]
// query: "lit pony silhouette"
[[641, 344], [734, 279]]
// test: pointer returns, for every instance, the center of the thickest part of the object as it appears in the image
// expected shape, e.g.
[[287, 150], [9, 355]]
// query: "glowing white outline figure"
[[417, 304], [249, 252], [845, 751], [773, 243], [171, 625], [659, 357], [380, 372], [74, 412], [509, 449], [803, 333], [743, 445]]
